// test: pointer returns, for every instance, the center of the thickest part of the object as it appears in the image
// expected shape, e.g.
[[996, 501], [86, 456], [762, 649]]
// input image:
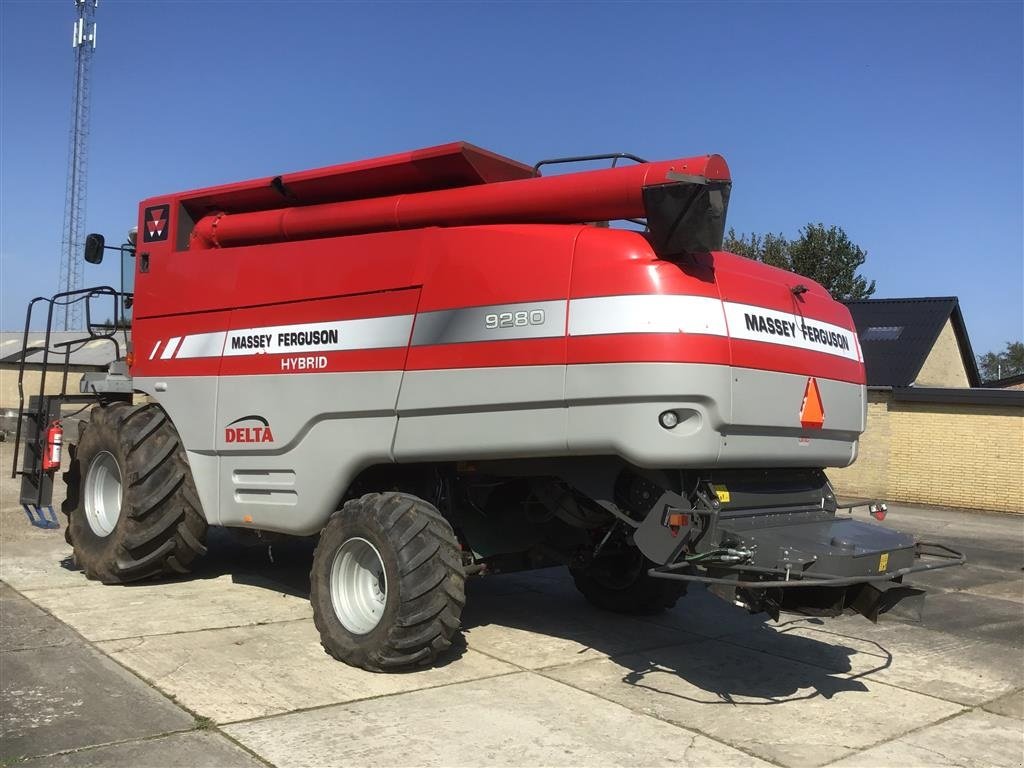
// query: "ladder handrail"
[[60, 299]]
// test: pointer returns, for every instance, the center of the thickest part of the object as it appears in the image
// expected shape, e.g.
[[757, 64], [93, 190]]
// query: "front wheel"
[[387, 584]]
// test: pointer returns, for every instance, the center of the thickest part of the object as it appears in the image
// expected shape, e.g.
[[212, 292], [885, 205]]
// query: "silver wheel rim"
[[102, 494], [359, 586]]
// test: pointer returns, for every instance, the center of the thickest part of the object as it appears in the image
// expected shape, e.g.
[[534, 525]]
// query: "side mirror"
[[94, 248]]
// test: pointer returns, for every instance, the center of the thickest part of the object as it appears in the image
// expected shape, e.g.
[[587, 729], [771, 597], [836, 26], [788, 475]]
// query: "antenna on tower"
[[83, 41]]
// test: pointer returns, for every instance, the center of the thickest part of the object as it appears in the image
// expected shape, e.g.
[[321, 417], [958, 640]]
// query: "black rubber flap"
[[687, 216]]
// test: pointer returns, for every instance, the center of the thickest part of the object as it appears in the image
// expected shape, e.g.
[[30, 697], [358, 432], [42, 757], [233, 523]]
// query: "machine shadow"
[[756, 663], [280, 566], [277, 564]]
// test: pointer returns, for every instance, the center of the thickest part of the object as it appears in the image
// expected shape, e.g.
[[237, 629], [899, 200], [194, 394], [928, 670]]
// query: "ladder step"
[[41, 517]]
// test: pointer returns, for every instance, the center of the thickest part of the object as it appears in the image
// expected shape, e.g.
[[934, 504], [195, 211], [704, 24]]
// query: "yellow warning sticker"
[[883, 562], [723, 493]]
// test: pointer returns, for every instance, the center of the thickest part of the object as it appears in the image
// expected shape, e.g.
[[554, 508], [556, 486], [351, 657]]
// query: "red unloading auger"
[[684, 202]]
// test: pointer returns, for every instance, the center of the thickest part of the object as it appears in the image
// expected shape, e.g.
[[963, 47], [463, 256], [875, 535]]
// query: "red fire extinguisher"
[[52, 449]]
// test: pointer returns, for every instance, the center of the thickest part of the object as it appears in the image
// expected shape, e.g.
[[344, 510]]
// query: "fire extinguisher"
[[52, 448]]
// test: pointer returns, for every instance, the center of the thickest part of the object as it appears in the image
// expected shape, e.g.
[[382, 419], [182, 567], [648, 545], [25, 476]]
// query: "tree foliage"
[[824, 254], [1001, 365]]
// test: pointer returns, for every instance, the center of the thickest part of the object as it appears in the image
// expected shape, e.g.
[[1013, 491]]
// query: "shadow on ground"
[[756, 688], [694, 650], [679, 643], [279, 565]]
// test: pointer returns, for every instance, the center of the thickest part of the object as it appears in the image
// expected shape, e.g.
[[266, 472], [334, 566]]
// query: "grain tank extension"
[[445, 364]]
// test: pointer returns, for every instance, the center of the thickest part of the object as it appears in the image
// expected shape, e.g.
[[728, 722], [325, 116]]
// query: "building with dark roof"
[[915, 342], [1007, 382], [934, 434]]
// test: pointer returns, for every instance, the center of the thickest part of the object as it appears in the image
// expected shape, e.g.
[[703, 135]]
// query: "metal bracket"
[[945, 556], [655, 539]]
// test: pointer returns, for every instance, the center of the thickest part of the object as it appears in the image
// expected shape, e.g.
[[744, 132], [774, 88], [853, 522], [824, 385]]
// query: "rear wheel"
[[132, 507], [387, 584], [620, 583]]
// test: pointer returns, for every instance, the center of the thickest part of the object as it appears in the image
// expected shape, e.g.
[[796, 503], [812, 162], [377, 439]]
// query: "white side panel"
[[296, 491], [727, 417], [462, 389], [279, 451], [614, 410], [481, 413], [296, 441]]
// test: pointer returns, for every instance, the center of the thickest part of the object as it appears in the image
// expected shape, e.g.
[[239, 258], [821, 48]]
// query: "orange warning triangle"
[[812, 412]]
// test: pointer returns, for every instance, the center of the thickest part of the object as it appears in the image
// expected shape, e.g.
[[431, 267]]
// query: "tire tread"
[[161, 528], [431, 584]]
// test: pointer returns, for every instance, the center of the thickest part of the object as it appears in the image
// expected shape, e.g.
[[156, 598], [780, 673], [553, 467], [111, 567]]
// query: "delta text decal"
[[249, 429]]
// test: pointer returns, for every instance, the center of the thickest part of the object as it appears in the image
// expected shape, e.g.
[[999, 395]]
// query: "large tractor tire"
[[620, 583], [132, 507], [387, 583]]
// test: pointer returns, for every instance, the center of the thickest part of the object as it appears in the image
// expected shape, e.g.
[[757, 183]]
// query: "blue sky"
[[900, 122]]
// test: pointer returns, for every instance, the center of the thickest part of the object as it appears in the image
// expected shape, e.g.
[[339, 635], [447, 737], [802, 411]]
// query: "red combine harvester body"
[[446, 364]]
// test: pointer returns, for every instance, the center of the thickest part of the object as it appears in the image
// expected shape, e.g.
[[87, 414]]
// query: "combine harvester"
[[445, 364]]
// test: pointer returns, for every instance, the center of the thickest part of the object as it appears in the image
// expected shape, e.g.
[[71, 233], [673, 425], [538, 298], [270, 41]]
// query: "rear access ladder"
[[41, 409]]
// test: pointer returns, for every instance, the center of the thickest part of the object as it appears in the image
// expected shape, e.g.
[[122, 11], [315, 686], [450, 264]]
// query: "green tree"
[[824, 254], [1000, 365], [771, 249]]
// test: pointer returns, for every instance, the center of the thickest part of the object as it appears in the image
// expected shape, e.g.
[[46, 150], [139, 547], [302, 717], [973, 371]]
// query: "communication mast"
[[83, 41]]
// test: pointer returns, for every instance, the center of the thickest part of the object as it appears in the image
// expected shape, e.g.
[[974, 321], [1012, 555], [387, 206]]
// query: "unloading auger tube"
[[625, 192]]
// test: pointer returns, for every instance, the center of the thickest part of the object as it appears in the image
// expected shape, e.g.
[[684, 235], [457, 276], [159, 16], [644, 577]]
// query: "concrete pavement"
[[224, 668], [61, 695]]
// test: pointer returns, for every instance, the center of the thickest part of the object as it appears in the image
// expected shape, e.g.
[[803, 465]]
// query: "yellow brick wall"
[[9, 385], [958, 455], [869, 474], [953, 455], [944, 367]]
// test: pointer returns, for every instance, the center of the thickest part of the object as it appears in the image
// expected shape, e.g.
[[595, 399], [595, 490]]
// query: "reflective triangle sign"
[[812, 412]]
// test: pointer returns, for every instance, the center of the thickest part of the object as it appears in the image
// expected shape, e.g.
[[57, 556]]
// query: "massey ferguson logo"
[[256, 429], [156, 223]]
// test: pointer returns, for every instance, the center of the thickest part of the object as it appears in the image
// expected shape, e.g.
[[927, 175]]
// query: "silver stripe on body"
[[602, 315], [170, 348], [202, 345], [496, 322], [653, 313]]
